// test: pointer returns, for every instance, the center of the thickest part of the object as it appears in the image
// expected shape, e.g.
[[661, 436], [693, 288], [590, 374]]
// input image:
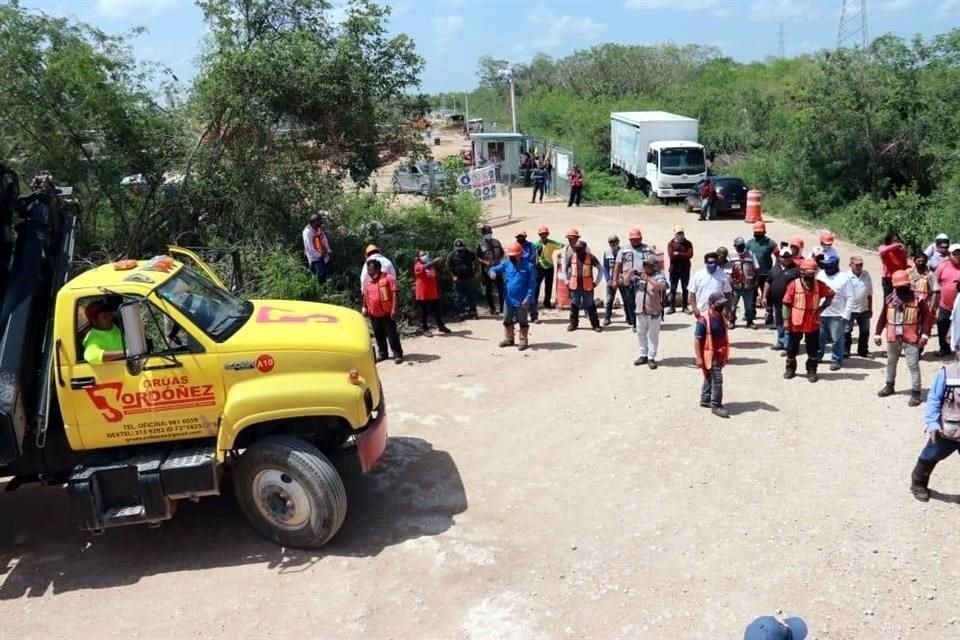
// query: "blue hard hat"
[[770, 628]]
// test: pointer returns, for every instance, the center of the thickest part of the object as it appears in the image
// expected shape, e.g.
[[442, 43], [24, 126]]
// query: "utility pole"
[[513, 104], [466, 111], [781, 50], [853, 24]]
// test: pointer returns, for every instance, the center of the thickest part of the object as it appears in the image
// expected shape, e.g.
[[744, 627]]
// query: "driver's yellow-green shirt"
[[98, 341]]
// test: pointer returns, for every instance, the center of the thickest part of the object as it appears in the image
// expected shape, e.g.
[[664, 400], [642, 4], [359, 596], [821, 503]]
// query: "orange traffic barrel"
[[754, 206], [561, 290]]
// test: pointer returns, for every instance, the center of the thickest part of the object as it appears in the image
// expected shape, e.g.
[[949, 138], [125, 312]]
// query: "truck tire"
[[628, 182], [290, 492]]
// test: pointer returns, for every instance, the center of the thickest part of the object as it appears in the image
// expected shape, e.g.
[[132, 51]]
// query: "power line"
[[853, 24]]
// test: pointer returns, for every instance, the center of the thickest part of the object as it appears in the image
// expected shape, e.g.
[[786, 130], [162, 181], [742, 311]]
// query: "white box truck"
[[657, 152]]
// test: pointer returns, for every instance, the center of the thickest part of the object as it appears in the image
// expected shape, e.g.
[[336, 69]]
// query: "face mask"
[[425, 259], [515, 259], [921, 267], [680, 237], [740, 248], [712, 267], [758, 236], [904, 292], [719, 307], [488, 236], [831, 269], [807, 279], [636, 243]]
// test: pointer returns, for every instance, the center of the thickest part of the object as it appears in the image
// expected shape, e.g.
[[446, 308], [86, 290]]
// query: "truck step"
[[116, 488]]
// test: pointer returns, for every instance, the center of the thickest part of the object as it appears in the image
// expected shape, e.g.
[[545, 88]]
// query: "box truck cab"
[[657, 152]]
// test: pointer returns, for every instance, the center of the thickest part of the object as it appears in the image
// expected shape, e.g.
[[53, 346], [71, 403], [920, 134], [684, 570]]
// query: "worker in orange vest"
[[380, 304], [907, 320], [581, 278], [711, 347], [803, 302]]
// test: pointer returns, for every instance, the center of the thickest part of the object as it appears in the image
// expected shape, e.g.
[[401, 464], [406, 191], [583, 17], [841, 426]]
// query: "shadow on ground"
[[415, 491], [420, 357], [551, 346], [739, 408]]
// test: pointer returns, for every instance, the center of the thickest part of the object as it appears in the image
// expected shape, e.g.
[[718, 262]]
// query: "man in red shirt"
[[804, 301], [707, 196], [426, 291], [948, 275], [380, 305]]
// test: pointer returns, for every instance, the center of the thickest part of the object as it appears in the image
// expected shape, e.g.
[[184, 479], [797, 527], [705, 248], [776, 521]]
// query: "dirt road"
[[557, 493]]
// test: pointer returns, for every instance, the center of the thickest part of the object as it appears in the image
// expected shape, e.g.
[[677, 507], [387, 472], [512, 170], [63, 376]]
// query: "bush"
[[603, 188]]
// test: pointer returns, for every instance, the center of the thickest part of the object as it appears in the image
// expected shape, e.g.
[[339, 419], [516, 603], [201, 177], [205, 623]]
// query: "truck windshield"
[[216, 312], [675, 162]]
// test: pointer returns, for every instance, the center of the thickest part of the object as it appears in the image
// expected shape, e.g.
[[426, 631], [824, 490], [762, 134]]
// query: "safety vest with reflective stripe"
[[581, 273], [909, 324], [722, 351], [799, 307]]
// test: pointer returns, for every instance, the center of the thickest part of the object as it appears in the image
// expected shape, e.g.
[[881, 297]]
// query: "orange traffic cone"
[[754, 206]]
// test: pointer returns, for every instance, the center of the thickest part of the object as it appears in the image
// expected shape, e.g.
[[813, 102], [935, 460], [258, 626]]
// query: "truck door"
[[173, 392], [194, 261]]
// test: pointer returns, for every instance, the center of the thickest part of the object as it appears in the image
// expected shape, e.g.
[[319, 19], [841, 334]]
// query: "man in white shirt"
[[708, 280], [316, 247], [386, 267], [861, 311], [834, 317], [938, 251]]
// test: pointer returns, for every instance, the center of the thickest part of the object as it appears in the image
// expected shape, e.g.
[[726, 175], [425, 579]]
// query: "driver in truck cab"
[[104, 341]]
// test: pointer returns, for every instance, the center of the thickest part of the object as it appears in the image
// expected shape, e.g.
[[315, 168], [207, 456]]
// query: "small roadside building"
[[501, 147]]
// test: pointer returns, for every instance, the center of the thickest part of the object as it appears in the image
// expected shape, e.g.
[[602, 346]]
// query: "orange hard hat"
[[826, 238], [542, 230], [759, 226], [808, 264], [371, 248], [572, 232], [797, 242], [522, 232], [900, 279], [514, 249], [635, 234]]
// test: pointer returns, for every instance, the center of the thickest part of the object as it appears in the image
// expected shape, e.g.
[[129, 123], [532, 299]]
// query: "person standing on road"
[[380, 304], [427, 291], [835, 317], [925, 284], [803, 302], [316, 246], [628, 261], [710, 279], [707, 195], [782, 274], [861, 311], [576, 185], [763, 249], [490, 254], [651, 286], [893, 256], [372, 252], [942, 420], [907, 322], [520, 284], [938, 251], [680, 252], [461, 264], [548, 174], [743, 279], [579, 268], [545, 249], [826, 243], [539, 177], [609, 267], [711, 348], [948, 275]]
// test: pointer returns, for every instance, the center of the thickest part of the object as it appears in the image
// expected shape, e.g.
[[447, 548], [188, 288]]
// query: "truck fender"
[[294, 395]]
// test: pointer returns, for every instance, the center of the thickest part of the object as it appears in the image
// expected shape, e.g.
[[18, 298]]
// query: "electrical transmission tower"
[[781, 50], [853, 24]]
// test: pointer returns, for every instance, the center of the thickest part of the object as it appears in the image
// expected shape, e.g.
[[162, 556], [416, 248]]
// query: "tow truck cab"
[[206, 380]]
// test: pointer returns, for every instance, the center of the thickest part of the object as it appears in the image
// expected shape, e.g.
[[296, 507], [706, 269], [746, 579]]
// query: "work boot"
[[574, 318], [548, 305], [768, 319], [425, 330], [812, 374], [382, 356], [886, 391], [720, 412], [508, 336], [606, 321], [652, 363], [444, 329], [671, 310], [915, 399], [791, 369], [639, 361], [920, 478], [594, 318], [398, 358], [524, 334]]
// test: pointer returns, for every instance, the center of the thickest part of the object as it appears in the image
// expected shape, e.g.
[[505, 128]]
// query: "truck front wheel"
[[290, 492]]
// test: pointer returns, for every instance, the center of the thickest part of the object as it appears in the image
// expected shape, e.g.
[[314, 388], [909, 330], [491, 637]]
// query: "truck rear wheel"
[[290, 492]]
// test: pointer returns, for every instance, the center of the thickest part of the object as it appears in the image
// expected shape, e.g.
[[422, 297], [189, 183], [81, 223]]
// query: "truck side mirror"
[[649, 156], [133, 336]]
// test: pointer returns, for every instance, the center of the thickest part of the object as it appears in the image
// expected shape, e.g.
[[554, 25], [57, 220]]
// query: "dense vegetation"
[[858, 141], [290, 113]]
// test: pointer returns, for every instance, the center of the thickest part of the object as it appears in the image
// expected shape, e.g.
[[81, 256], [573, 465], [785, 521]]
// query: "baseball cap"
[[954, 247], [459, 243], [942, 237], [678, 228], [651, 260], [716, 297], [613, 238], [94, 309], [737, 241], [769, 628], [786, 253]]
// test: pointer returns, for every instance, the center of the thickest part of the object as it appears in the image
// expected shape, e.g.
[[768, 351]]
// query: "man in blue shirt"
[[520, 282], [942, 420]]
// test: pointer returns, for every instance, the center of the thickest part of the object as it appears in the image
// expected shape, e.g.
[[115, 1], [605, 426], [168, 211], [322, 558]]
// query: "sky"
[[452, 35]]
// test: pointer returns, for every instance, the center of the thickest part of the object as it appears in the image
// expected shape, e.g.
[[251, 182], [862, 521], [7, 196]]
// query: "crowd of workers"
[[803, 294]]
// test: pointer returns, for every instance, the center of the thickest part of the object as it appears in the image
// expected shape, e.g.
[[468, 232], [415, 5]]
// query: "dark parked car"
[[732, 196]]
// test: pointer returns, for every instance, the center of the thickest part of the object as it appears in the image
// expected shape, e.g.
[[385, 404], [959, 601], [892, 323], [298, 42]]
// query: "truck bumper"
[[373, 441], [672, 193]]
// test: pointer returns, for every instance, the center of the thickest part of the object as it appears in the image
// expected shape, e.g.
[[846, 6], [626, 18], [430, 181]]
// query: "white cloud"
[[563, 29], [444, 28], [784, 10], [400, 9], [127, 9], [948, 8]]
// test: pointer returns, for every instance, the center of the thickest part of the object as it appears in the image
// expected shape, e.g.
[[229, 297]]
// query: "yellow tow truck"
[[205, 381]]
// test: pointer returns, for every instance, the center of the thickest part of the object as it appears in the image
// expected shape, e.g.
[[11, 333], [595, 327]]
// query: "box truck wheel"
[[628, 181], [290, 492]]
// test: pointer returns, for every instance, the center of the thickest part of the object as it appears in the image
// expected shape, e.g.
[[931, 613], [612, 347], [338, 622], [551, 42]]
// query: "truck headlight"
[[665, 185]]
